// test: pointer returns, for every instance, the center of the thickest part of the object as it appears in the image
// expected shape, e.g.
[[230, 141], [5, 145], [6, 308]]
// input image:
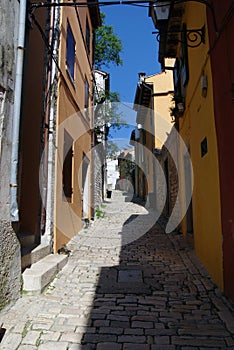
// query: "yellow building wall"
[[147, 149], [158, 125], [162, 88], [196, 124], [71, 117], [157, 122]]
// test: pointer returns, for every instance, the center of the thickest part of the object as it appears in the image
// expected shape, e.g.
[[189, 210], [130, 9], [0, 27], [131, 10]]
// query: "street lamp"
[[161, 12]]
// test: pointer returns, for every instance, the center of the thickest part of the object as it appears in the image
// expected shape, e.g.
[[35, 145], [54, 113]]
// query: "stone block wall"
[[166, 200], [10, 261], [98, 176]]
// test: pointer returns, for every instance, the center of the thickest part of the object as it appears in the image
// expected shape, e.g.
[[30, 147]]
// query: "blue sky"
[[140, 48], [140, 54]]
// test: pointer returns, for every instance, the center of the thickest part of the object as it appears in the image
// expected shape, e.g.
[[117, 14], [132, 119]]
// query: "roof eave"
[[95, 15]]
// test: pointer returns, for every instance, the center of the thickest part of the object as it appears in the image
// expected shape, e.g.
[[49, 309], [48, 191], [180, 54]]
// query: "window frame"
[[68, 167], [70, 52], [88, 36], [86, 93]]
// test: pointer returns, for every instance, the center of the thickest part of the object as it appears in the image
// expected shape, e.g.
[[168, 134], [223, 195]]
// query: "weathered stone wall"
[[98, 177], [166, 199], [8, 43], [10, 271]]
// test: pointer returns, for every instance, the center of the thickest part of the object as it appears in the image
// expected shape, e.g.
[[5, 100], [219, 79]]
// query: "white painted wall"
[[112, 172]]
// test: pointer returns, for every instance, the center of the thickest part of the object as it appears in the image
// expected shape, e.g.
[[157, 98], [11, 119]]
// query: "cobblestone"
[[31, 338], [11, 341], [142, 324], [150, 293], [134, 347], [108, 346], [54, 346]]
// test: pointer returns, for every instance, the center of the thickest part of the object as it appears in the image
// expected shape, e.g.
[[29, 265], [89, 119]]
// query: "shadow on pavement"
[[154, 299]]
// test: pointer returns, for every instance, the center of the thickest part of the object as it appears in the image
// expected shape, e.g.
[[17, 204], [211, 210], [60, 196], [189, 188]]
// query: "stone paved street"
[[127, 286]]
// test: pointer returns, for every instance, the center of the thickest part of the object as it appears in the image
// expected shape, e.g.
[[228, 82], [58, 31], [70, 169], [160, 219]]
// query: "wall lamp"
[[193, 37]]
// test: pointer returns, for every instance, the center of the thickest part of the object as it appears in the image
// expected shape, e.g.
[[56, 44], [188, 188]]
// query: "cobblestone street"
[[127, 286]]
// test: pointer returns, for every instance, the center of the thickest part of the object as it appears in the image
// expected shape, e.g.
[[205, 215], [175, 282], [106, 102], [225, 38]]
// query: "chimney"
[[141, 76]]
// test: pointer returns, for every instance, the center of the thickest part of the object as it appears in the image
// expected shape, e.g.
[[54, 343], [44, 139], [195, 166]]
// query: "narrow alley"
[[127, 286]]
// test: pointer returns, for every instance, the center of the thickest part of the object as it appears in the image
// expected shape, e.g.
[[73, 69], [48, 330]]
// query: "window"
[[177, 84], [67, 166], [70, 53], [87, 35], [86, 102], [204, 147]]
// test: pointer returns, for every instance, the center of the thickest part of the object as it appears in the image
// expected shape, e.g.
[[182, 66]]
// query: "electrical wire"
[[139, 3], [44, 38], [91, 3], [136, 3], [145, 3]]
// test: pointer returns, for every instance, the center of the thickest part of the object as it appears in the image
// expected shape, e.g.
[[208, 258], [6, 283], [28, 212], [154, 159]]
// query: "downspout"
[[45, 129], [14, 210], [92, 160], [47, 238]]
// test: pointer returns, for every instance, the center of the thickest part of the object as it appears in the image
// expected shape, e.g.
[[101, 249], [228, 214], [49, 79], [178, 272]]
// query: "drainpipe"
[[47, 238], [14, 210]]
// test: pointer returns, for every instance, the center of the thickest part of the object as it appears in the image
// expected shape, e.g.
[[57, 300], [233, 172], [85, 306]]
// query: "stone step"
[[32, 255], [41, 273]]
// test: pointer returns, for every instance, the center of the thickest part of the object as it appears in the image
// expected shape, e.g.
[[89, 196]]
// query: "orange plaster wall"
[[72, 118]]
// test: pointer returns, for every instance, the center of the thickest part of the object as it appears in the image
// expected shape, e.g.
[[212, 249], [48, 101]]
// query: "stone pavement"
[[127, 286]]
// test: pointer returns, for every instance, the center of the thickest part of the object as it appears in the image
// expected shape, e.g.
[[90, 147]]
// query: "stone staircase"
[[41, 273], [30, 255], [39, 266]]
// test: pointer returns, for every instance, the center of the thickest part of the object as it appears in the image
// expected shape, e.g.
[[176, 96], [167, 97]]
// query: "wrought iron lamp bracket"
[[194, 37]]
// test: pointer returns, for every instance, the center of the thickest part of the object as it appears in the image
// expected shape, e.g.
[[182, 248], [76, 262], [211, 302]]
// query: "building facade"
[[157, 180], [164, 192], [101, 88], [126, 171], [74, 122], [9, 245], [200, 105], [222, 54], [143, 137], [46, 128]]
